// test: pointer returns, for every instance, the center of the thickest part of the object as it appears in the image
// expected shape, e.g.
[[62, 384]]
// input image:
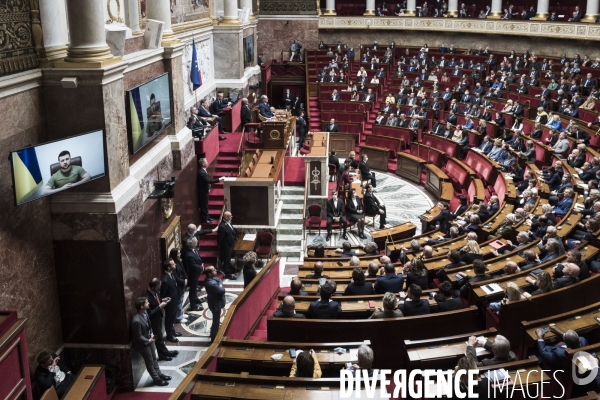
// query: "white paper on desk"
[[508, 177], [493, 288], [230, 178], [353, 354], [478, 349], [250, 236], [276, 357]]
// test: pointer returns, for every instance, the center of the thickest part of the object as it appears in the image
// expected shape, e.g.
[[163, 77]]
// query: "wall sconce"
[[165, 191]]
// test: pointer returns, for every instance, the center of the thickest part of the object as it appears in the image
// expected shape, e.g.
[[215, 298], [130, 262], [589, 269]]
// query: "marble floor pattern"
[[177, 369], [404, 202], [199, 322]]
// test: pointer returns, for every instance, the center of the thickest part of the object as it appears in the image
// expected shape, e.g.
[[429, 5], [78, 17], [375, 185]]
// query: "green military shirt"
[[60, 179]]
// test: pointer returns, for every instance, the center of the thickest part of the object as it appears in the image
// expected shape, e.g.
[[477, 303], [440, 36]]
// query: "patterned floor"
[[177, 369], [404, 202], [199, 322]]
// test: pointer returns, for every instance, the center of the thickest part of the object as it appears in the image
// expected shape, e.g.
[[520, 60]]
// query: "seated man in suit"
[[217, 106], [500, 348], [296, 287], [454, 257], [374, 207], [365, 171], [52, 371], [333, 159], [445, 300], [480, 275], [389, 309], [570, 275], [318, 271], [441, 220], [335, 213], [390, 282], [554, 355], [204, 113], [413, 304], [332, 126], [264, 108], [325, 308], [287, 309]]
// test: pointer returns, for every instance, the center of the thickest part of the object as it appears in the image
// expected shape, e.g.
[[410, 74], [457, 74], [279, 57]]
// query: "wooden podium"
[[274, 135]]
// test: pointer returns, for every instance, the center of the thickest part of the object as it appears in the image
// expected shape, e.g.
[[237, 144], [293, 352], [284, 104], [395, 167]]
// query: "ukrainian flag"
[[27, 174], [136, 127]]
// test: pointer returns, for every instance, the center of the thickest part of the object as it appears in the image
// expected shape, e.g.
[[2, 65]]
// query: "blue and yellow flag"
[[28, 177], [136, 125]]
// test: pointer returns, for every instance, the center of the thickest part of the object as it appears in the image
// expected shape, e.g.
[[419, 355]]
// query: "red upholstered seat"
[[314, 217], [265, 240], [492, 320]]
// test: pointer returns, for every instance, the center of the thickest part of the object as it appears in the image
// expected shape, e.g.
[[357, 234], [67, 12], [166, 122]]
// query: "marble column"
[[87, 47], [591, 11], [160, 10], [496, 11], [132, 17], [53, 17], [542, 10], [453, 8], [330, 7], [247, 4], [230, 13], [370, 10], [411, 7]]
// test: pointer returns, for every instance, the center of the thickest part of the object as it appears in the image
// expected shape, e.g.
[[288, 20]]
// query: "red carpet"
[[231, 144], [294, 171]]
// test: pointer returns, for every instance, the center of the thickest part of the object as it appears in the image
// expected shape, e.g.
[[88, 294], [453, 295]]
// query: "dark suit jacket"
[[180, 277], [155, 313], [140, 332], [204, 182], [365, 171], [203, 112], [356, 290], [246, 115], [490, 361], [193, 262], [389, 283], [324, 309], [216, 107], [226, 237], [442, 219], [450, 305], [329, 128], [335, 161], [168, 288], [419, 307], [371, 204], [265, 110], [215, 293], [350, 209], [333, 209]]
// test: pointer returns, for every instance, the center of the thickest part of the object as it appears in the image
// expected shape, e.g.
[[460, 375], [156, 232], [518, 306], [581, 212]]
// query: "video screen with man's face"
[[49, 168], [148, 111]]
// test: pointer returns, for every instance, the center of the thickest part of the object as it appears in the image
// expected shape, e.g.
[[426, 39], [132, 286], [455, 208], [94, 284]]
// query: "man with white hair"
[[500, 348], [555, 354], [551, 233], [576, 159], [562, 145], [570, 276]]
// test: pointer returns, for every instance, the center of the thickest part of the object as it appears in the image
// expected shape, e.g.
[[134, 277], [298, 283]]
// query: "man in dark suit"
[[296, 106], [374, 207], [365, 171], [49, 369], [333, 159], [325, 308], [301, 126], [500, 348], [215, 298], [287, 99], [445, 300], [226, 238], [390, 282], [264, 108], [169, 290], [441, 220], [555, 355], [332, 126], [144, 341], [194, 266], [192, 231], [413, 304], [217, 106], [156, 313], [203, 182], [369, 96], [246, 114], [205, 113], [287, 309], [335, 213], [480, 275]]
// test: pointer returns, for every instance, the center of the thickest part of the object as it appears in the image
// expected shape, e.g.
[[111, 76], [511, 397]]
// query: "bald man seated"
[[510, 268], [570, 276], [287, 309], [318, 271]]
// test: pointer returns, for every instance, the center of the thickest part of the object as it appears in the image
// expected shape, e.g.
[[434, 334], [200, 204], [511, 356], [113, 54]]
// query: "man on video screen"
[[155, 118], [67, 176]]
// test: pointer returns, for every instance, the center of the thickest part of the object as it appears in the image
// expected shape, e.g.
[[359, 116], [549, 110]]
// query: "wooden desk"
[[398, 232], [262, 171], [89, 382], [242, 247], [265, 156], [438, 183]]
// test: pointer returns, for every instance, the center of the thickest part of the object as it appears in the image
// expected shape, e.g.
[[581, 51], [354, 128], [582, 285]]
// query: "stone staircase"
[[289, 230]]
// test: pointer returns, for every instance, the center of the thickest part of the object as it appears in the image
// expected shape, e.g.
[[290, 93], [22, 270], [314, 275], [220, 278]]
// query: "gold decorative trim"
[[589, 18], [111, 17], [330, 12]]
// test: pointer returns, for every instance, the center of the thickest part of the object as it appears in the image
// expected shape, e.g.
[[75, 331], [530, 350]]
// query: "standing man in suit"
[[287, 99], [156, 313], [143, 341], [215, 298], [301, 124], [333, 159], [194, 266], [335, 213], [193, 231], [365, 171], [246, 113], [169, 290], [296, 106], [332, 126], [203, 181], [374, 207], [226, 238]]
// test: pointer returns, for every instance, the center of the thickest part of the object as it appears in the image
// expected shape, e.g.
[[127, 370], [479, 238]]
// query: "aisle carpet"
[[294, 171]]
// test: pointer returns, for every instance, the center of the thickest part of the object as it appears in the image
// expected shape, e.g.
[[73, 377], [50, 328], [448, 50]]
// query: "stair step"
[[293, 198], [289, 240], [228, 158], [292, 206], [292, 190]]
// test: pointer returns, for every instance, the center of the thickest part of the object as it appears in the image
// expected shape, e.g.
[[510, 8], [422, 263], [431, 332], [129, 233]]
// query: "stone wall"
[[27, 276], [276, 34], [460, 40]]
